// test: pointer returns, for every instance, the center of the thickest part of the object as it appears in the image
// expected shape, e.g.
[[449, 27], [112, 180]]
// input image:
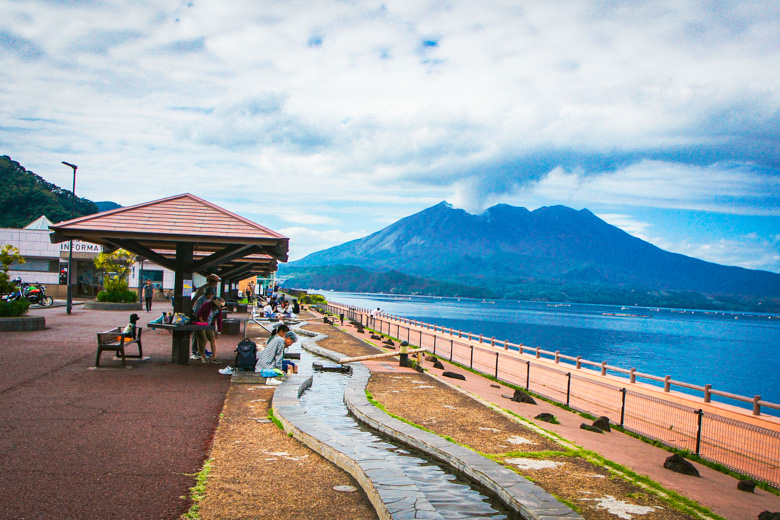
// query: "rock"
[[590, 428], [522, 397], [602, 423], [431, 358], [327, 321], [546, 417], [374, 336], [389, 341], [495, 386], [746, 485], [359, 328], [453, 375], [679, 465], [766, 515], [437, 364]]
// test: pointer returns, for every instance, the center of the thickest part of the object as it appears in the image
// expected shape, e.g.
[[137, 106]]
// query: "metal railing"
[[746, 448]]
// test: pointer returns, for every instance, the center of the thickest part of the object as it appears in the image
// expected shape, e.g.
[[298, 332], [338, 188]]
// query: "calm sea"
[[734, 352]]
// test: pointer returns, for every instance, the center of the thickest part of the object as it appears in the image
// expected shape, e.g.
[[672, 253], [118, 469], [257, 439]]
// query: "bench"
[[108, 341]]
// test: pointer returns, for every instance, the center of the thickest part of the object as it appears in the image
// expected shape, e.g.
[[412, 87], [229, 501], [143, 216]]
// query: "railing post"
[[528, 375], [460, 333], [622, 407], [632, 376], [707, 393], [434, 344], [557, 356], [452, 348], [756, 406], [538, 352], [700, 413], [493, 342], [471, 360], [579, 364], [667, 384], [568, 389], [506, 345], [421, 338], [496, 365], [603, 368], [480, 338], [469, 336]]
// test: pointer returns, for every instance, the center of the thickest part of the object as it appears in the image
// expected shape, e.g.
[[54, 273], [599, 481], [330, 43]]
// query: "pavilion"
[[187, 235]]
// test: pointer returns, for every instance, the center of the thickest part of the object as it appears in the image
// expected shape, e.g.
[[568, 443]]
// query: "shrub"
[[13, 309], [124, 296]]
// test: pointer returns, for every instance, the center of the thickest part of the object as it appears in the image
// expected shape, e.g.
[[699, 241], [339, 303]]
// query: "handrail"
[[578, 361]]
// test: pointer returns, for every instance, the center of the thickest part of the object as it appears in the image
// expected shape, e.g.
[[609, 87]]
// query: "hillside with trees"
[[25, 196]]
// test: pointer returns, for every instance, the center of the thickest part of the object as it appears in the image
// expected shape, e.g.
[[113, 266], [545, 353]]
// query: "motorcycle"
[[36, 295]]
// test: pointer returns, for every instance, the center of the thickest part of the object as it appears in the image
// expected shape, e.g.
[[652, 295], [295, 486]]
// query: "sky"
[[326, 121]]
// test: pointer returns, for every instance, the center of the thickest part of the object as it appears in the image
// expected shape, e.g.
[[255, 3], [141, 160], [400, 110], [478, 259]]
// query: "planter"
[[108, 306], [23, 323]]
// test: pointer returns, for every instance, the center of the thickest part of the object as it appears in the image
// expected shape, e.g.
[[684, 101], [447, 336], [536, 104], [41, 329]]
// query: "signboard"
[[187, 290], [81, 247]]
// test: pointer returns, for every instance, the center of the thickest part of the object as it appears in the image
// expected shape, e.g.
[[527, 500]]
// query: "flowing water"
[[453, 497]]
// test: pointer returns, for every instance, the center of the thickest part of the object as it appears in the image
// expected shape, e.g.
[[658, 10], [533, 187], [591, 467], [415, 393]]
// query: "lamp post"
[[69, 305]]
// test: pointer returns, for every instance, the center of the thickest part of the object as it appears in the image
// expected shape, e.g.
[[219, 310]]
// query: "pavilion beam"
[[139, 249], [224, 256], [236, 272]]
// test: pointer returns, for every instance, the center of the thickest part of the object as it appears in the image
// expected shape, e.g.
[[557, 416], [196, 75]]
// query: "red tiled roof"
[[180, 215]]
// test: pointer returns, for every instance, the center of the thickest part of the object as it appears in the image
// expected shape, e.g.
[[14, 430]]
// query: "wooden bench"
[[108, 341]]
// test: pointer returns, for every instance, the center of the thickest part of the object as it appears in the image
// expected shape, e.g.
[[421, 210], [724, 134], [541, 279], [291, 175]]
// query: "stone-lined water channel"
[[451, 496]]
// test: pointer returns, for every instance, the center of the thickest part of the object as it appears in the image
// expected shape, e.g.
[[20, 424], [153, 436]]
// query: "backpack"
[[246, 355]]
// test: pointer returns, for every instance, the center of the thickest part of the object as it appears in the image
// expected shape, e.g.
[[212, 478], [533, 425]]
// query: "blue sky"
[[327, 120]]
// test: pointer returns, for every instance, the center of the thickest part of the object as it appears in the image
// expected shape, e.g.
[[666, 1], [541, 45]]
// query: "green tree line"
[[25, 196]]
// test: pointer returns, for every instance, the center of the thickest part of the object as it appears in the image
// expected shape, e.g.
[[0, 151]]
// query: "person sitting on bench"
[[272, 356]]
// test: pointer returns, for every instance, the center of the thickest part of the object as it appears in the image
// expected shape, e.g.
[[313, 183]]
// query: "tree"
[[116, 267], [8, 255]]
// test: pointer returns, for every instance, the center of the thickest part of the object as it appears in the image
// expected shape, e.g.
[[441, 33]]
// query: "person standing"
[[148, 295], [211, 313]]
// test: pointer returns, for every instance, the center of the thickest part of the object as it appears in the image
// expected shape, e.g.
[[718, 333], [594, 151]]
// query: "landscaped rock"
[[431, 358], [602, 423], [766, 515], [453, 375], [495, 386], [374, 336], [679, 465], [389, 341], [746, 485], [546, 417], [590, 428], [522, 397], [437, 364]]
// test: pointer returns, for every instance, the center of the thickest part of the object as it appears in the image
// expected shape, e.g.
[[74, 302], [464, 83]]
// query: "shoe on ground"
[[216, 361], [226, 371], [194, 356], [208, 353], [204, 360], [273, 381]]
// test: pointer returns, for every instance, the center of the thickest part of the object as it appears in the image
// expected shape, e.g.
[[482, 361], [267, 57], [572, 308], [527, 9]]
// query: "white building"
[[46, 262]]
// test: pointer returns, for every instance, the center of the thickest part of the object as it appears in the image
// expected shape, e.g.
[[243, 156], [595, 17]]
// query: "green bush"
[[13, 309], [125, 296], [312, 299]]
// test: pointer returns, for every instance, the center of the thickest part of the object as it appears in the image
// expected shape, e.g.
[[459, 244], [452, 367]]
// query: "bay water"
[[735, 352]]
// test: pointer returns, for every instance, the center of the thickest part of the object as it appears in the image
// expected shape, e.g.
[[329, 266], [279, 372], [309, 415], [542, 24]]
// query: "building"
[[47, 263]]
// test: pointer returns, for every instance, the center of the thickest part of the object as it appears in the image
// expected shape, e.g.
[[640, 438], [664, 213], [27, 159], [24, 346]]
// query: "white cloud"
[[305, 240]]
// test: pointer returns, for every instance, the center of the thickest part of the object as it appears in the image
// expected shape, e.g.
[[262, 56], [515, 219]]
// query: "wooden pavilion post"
[[180, 344]]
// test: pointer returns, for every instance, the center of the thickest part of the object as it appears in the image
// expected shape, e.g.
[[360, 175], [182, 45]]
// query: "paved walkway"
[[84, 443]]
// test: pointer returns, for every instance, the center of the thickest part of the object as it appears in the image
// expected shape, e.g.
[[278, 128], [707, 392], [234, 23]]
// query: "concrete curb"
[[519, 494], [23, 323], [108, 306]]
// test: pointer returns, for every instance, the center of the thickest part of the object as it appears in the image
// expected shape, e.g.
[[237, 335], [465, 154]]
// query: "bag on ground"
[[246, 355]]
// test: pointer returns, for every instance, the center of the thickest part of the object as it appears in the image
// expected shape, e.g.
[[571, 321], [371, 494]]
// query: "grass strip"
[[198, 491]]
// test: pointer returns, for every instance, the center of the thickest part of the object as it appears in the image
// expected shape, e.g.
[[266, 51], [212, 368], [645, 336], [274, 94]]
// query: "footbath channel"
[[451, 496]]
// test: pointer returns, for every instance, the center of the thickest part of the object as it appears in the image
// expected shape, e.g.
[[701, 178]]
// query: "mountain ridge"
[[506, 246]]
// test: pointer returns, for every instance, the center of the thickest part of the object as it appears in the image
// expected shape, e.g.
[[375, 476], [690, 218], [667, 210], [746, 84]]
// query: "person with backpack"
[[209, 292]]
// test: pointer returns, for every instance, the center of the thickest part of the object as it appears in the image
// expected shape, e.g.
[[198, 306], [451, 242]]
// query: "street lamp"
[[69, 306]]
